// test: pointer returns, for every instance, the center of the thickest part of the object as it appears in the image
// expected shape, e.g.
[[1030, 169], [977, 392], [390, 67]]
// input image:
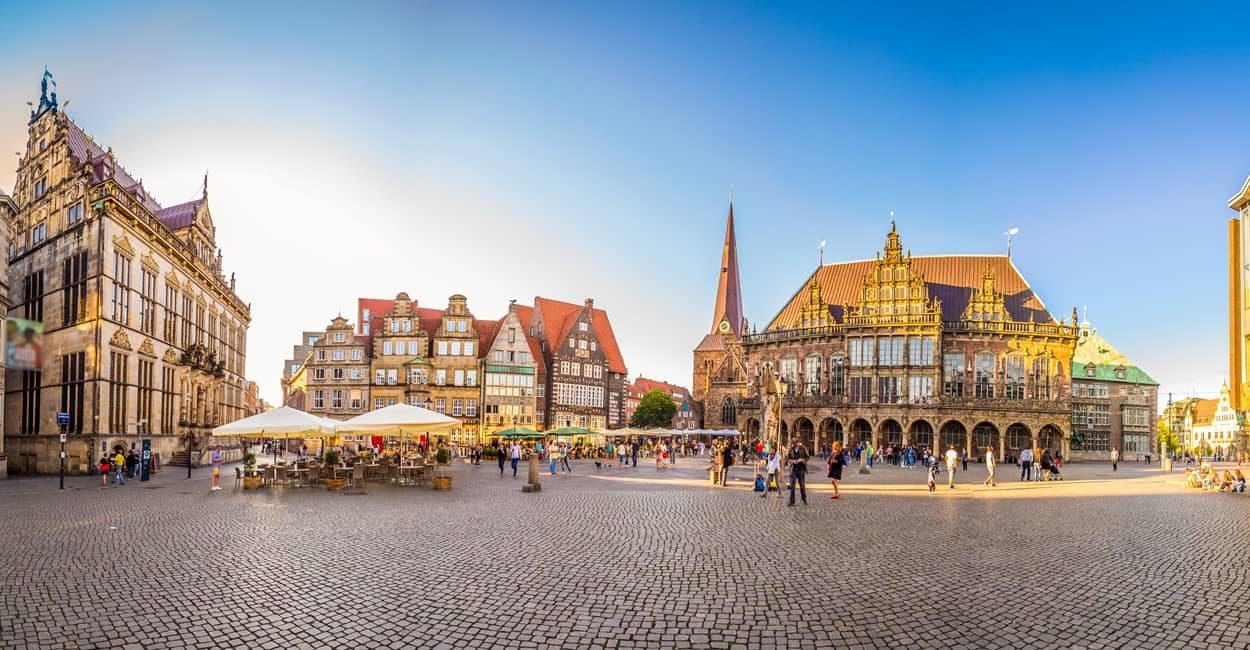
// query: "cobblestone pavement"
[[625, 558]]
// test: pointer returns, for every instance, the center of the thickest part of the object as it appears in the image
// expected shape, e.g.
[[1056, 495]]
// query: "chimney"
[[590, 303]]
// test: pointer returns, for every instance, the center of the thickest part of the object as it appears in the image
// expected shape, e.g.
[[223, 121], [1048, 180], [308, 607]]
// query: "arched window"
[[729, 412]]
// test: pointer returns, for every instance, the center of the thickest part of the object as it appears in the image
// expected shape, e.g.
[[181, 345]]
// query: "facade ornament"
[[148, 261], [170, 356], [120, 340], [123, 244], [986, 304], [146, 348]]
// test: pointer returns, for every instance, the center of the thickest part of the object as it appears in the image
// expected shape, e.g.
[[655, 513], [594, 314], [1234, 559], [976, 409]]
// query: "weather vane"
[[1011, 232], [822, 252]]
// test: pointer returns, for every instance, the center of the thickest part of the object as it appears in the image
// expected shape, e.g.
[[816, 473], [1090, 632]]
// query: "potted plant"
[[334, 483], [441, 481], [250, 482]]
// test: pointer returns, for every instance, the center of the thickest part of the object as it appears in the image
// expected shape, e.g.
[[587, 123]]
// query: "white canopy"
[[282, 421], [397, 420]]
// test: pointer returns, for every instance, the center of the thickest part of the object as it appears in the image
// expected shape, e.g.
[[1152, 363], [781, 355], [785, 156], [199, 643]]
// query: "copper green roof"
[[1093, 349]]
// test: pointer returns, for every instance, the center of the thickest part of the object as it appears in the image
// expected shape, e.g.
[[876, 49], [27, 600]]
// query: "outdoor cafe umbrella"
[[398, 420], [522, 433], [283, 422]]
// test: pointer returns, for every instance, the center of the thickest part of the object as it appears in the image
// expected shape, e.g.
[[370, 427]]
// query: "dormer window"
[[1121, 372], [1091, 370], [339, 337]]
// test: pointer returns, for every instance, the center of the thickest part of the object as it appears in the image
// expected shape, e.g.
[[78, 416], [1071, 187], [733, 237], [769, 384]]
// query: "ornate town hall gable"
[[935, 350]]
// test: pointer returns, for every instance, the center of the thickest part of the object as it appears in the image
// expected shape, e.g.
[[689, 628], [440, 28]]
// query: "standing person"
[[132, 462], [1026, 461], [216, 457], [499, 456], [621, 451], [952, 458], [963, 458], [1115, 458], [514, 453], [773, 468], [553, 457], [797, 458], [835, 468], [634, 451], [564, 458], [989, 467], [104, 470], [726, 461], [868, 450]]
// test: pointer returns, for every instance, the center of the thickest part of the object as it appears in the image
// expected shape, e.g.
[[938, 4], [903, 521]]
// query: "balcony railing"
[[962, 403], [799, 333]]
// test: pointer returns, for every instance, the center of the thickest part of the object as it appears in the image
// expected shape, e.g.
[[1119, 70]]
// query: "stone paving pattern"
[[627, 559]]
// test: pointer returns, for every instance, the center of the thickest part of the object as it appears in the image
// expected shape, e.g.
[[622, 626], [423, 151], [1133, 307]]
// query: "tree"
[[655, 410], [1170, 441]]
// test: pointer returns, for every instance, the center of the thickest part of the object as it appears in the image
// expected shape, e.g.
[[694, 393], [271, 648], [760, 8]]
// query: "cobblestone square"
[[628, 558]]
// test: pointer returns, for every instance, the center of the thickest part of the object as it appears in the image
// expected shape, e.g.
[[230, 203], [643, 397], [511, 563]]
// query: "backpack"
[[759, 483]]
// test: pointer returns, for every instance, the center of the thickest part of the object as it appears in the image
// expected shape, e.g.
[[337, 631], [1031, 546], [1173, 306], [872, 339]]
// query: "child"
[[934, 468]]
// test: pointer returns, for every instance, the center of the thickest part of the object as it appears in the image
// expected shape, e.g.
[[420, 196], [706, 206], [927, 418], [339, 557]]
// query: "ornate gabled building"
[[935, 351], [143, 335], [337, 373], [585, 372], [510, 373]]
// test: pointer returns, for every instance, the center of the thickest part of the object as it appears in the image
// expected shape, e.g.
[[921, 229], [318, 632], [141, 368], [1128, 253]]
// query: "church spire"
[[727, 316]]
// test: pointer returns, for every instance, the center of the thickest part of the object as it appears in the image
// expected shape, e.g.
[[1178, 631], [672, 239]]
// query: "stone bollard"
[[533, 485]]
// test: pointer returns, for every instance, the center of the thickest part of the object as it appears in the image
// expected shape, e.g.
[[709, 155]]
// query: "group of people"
[[1207, 477], [121, 466]]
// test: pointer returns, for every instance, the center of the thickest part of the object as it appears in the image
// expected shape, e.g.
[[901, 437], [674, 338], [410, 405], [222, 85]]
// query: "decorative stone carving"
[[123, 244], [170, 356], [120, 340], [146, 348]]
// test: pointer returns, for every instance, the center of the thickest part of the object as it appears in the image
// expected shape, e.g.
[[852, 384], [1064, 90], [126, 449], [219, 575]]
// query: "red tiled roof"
[[559, 316], [485, 334], [88, 152], [1203, 411], [179, 216], [641, 386], [950, 278]]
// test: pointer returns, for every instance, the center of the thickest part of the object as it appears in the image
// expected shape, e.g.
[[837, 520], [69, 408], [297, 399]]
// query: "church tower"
[[719, 376]]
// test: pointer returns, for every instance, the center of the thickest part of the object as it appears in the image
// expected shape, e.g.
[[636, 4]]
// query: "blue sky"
[[575, 150]]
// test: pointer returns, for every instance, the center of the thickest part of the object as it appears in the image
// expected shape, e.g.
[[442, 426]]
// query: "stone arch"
[[805, 431], [860, 431], [952, 434], [1051, 437], [831, 431], [921, 434], [729, 411], [891, 432], [984, 434], [118, 444], [1017, 437]]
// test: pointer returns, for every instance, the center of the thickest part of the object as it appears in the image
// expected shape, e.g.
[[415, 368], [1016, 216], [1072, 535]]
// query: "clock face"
[[724, 327]]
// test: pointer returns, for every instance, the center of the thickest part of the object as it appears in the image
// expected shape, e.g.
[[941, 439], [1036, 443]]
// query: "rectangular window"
[[1014, 388], [144, 416], [73, 374], [455, 348], [337, 374], [117, 392], [789, 370], [386, 348], [468, 348], [888, 390], [861, 352], [167, 401], [338, 355], [919, 351], [319, 399], [379, 376], [121, 291], [920, 390], [319, 373], [171, 317], [598, 372], [953, 374], [985, 375], [147, 301], [38, 233], [457, 407], [462, 326], [581, 327], [470, 378], [340, 337], [356, 400], [186, 321], [512, 335], [811, 375], [440, 405], [394, 325], [73, 214], [407, 325], [890, 351], [378, 403], [356, 354], [442, 348], [440, 377], [392, 376], [1040, 379], [74, 277], [401, 348], [837, 376], [357, 373], [861, 390], [41, 187], [458, 377]]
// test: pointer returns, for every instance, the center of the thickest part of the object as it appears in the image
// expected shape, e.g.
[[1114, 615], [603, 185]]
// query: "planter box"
[[251, 482], [442, 482], [335, 484]]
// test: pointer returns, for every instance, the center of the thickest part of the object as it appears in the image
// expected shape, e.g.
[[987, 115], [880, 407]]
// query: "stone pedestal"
[[533, 485]]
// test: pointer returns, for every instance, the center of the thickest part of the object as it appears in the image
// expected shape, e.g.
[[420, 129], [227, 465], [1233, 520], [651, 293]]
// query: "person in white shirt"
[[952, 458], [1026, 461], [773, 473], [515, 454], [989, 466], [1115, 458]]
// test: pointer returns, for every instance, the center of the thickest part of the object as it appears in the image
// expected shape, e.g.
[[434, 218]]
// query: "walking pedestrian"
[[514, 453], [934, 468], [989, 467], [119, 468], [1026, 462], [726, 461], [132, 462], [104, 470], [952, 458], [963, 457], [1115, 458], [835, 468], [216, 458], [564, 458], [868, 451], [797, 459], [553, 457], [499, 455], [634, 451]]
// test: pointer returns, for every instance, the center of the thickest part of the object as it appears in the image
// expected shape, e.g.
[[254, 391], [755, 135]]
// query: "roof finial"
[[822, 252], [891, 221], [205, 190], [731, 192]]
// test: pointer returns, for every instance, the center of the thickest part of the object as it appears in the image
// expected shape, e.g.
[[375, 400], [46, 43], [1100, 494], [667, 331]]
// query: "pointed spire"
[[728, 290], [204, 193]]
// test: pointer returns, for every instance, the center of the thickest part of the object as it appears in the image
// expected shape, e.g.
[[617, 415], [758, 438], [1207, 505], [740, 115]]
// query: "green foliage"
[[333, 457], [1170, 441], [443, 457], [655, 410], [491, 452], [249, 459]]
